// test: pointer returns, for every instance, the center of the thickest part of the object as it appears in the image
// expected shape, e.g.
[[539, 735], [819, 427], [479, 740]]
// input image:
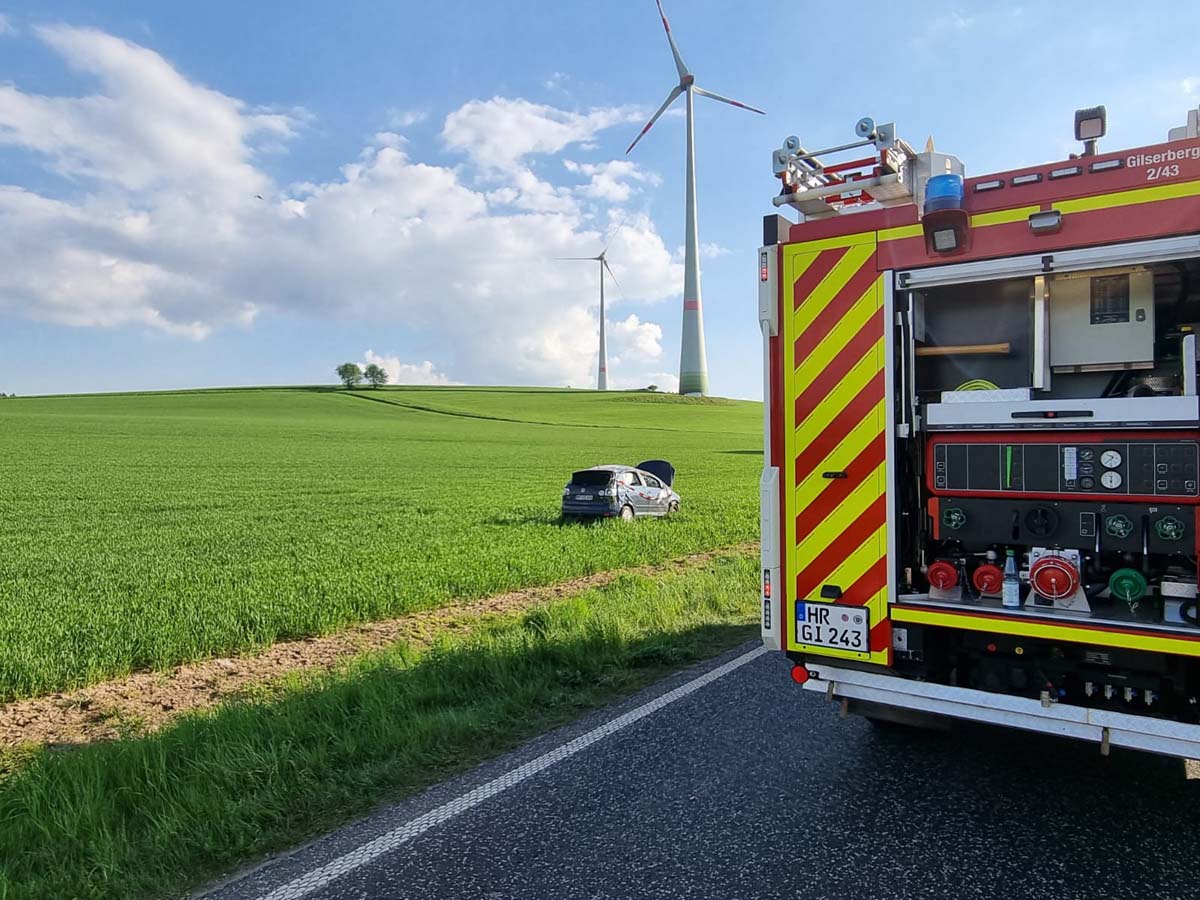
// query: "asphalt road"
[[751, 788]]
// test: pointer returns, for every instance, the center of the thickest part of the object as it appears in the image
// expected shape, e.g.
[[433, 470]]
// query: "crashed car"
[[625, 491]]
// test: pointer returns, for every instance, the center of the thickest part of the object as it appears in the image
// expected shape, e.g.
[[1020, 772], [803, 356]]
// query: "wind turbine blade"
[[679, 66], [620, 224], [703, 93], [613, 277], [671, 97], [592, 258]]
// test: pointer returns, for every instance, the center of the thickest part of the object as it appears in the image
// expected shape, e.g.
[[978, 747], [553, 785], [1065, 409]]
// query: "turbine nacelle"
[[687, 82]]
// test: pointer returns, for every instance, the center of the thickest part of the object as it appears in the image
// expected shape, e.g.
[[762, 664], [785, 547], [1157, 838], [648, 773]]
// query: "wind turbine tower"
[[602, 366], [693, 362]]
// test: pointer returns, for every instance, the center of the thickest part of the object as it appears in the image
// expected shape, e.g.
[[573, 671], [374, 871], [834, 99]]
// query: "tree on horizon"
[[349, 374], [376, 375]]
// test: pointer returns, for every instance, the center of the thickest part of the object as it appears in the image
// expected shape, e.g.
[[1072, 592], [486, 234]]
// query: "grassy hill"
[[144, 530]]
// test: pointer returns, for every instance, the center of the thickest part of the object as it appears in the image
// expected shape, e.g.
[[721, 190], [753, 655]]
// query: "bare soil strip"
[[146, 701]]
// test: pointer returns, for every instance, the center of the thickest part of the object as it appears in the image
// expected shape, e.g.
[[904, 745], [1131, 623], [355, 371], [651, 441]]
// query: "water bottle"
[[1011, 595]]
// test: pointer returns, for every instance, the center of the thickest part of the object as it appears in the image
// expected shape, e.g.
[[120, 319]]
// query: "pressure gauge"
[[1110, 459], [1111, 480]]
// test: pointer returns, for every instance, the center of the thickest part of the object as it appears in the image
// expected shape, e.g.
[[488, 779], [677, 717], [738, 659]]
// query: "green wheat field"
[[145, 530]]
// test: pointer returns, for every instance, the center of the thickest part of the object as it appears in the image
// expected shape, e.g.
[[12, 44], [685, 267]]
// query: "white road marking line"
[[385, 843]]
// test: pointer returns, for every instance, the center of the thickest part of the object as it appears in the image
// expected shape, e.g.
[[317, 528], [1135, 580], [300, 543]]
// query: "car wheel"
[[673, 507], [626, 513]]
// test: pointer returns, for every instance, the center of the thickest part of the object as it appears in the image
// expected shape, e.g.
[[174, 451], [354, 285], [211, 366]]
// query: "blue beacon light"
[[943, 192], [944, 215]]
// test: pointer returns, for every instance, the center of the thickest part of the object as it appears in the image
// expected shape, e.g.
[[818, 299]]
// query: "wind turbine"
[[602, 370], [693, 362]]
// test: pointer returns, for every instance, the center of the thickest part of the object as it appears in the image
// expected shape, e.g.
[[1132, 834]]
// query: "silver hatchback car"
[[625, 491]]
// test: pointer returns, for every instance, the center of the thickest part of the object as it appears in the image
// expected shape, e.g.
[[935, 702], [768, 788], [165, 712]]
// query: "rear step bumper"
[[1099, 726]]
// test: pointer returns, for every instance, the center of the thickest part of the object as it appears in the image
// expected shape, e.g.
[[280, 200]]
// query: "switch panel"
[[1116, 469]]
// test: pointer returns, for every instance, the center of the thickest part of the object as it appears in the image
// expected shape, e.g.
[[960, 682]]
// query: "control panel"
[[1127, 527], [1110, 468]]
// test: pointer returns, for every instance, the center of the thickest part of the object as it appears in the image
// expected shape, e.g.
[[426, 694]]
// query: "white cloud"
[[386, 139], [406, 373], [150, 129], [1190, 87], [168, 220], [712, 251], [640, 260], [405, 118], [633, 337], [611, 180], [499, 132], [6, 25]]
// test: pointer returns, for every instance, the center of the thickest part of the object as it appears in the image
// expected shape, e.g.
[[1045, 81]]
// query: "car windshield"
[[592, 477]]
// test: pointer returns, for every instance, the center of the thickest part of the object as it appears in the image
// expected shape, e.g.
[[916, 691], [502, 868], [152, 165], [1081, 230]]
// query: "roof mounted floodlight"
[[1090, 125]]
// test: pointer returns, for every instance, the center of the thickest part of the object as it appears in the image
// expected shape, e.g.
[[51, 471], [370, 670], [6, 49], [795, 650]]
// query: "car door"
[[656, 495], [637, 493]]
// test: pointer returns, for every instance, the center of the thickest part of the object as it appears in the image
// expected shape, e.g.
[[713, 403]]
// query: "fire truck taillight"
[[945, 218], [767, 583], [764, 270]]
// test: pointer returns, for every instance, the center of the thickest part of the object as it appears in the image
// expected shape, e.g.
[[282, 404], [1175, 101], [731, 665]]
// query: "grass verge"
[[148, 816]]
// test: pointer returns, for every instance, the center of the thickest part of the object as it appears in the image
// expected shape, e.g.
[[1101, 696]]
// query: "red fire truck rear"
[[980, 495]]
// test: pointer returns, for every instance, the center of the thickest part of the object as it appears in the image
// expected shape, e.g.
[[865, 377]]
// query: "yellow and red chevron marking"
[[836, 412]]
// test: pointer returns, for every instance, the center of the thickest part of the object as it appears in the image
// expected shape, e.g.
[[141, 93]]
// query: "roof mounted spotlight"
[[1090, 125]]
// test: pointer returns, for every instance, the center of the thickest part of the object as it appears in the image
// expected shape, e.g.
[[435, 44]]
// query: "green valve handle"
[[1168, 528], [953, 518], [1128, 585], [1118, 526]]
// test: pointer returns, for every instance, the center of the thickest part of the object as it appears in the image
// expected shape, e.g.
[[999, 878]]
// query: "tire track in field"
[[146, 701], [462, 414]]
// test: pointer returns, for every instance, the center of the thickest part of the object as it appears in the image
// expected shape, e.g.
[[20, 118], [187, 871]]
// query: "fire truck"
[[981, 491]]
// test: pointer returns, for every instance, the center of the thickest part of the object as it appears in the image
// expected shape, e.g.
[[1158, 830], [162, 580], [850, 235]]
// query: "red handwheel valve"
[[942, 575], [988, 579], [1054, 577]]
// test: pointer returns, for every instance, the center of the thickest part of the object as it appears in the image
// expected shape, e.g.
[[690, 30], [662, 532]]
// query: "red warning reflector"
[[799, 674], [767, 583]]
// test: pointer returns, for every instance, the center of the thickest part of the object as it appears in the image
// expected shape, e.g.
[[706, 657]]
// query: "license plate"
[[583, 496], [831, 625]]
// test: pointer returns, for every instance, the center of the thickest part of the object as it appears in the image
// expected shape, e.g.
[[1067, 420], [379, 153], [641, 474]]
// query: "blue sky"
[[420, 164]]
